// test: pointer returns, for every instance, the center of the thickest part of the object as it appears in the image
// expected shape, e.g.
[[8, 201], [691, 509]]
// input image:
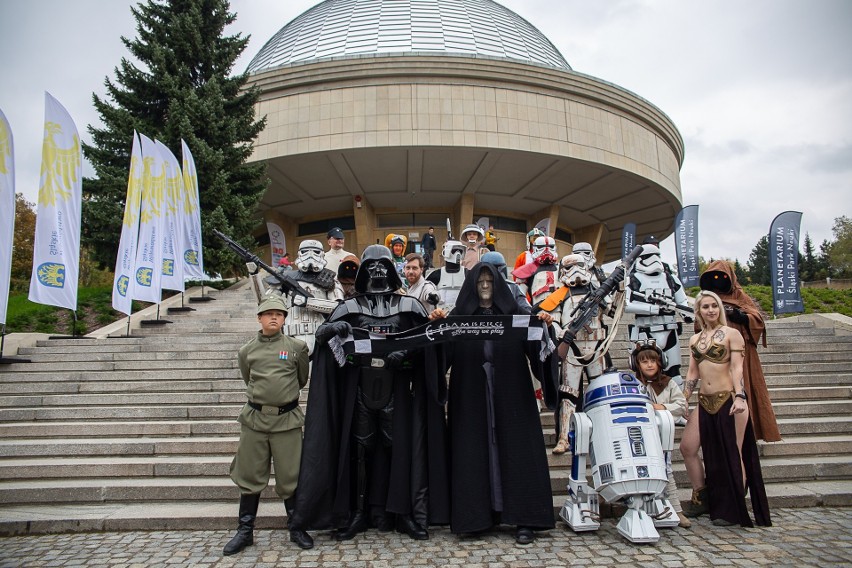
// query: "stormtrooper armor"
[[305, 315], [449, 279], [585, 356], [625, 439], [652, 291]]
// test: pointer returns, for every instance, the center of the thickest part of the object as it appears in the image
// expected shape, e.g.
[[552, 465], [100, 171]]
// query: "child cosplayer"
[[646, 360]]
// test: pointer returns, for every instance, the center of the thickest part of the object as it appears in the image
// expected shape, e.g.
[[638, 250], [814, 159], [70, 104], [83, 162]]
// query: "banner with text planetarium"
[[686, 244], [784, 263]]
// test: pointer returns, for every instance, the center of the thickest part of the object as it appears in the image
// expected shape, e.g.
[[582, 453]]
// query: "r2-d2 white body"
[[625, 440]]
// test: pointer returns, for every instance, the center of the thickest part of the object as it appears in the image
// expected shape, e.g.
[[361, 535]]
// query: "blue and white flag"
[[628, 239], [7, 211], [172, 277], [784, 263], [193, 256], [149, 251], [125, 261], [56, 252], [686, 245]]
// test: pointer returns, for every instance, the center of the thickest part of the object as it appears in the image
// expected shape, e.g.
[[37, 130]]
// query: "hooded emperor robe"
[[498, 461], [759, 405]]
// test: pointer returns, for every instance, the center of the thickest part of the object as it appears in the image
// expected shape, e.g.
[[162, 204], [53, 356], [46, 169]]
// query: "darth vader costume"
[[374, 449], [499, 471]]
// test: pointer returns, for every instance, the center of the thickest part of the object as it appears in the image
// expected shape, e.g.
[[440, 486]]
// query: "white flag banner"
[[125, 262], [7, 211], [56, 251], [172, 277], [277, 244], [149, 251], [193, 257]]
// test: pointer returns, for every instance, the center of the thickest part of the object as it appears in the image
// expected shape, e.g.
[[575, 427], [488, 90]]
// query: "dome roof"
[[338, 28]]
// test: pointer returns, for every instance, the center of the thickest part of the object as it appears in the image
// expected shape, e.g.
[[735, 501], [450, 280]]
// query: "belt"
[[365, 361], [301, 328], [274, 410]]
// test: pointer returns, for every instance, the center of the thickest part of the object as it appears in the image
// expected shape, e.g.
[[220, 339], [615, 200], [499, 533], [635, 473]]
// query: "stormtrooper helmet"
[[587, 251], [544, 250], [649, 262], [310, 257], [574, 270], [453, 252]]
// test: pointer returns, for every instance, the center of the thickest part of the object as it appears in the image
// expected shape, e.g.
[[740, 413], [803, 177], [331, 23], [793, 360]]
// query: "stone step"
[[65, 366], [182, 515], [136, 400], [195, 353], [141, 446], [120, 414], [124, 429], [131, 375], [123, 386]]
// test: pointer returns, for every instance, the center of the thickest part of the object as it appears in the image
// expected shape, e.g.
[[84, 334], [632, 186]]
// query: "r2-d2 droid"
[[625, 439]]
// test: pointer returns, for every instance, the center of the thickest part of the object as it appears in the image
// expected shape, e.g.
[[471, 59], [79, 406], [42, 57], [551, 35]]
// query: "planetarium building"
[[393, 115]]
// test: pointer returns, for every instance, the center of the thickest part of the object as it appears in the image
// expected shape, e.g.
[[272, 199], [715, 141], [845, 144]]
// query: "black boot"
[[406, 524], [357, 524], [698, 505], [301, 538], [245, 528]]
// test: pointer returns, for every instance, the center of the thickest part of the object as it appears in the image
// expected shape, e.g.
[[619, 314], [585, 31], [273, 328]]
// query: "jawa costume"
[[742, 314], [499, 471], [374, 450]]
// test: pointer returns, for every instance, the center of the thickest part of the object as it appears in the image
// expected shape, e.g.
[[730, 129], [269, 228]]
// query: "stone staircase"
[[137, 433]]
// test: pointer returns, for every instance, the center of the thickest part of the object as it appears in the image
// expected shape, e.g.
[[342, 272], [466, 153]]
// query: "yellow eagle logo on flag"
[[51, 274], [5, 148], [154, 185], [133, 189], [59, 166], [191, 257], [143, 276], [122, 284]]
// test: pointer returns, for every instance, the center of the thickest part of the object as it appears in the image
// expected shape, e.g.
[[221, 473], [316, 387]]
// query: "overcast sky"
[[761, 90]]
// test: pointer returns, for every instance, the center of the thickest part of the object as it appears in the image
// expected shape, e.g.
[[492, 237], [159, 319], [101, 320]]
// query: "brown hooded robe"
[[759, 404]]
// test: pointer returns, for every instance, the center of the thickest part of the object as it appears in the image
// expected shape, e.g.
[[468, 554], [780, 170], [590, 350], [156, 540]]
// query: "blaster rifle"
[[658, 299], [287, 285], [590, 305]]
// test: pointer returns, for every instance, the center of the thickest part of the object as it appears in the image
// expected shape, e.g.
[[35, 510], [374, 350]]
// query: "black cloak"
[[417, 480], [498, 461]]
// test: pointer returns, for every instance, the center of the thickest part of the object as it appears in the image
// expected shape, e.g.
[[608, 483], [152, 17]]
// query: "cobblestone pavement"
[[799, 537]]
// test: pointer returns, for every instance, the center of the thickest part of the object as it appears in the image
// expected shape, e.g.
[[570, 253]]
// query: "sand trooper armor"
[[625, 440], [305, 315], [651, 292], [585, 356], [449, 279]]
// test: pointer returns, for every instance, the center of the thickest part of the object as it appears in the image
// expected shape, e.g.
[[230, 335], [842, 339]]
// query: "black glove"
[[395, 359], [736, 315], [329, 329], [433, 299]]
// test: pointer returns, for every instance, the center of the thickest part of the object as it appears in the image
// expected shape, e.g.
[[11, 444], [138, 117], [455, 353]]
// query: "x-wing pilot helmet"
[[544, 250], [377, 272], [453, 252], [587, 251], [574, 270], [532, 236], [310, 257], [649, 262]]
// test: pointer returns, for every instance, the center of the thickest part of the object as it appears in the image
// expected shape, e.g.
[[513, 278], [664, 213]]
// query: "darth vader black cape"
[[499, 471], [417, 482]]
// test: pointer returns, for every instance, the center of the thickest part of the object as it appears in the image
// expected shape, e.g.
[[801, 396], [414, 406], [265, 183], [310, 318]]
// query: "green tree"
[[182, 91], [808, 261], [23, 243], [824, 260], [840, 253], [758, 262], [740, 271]]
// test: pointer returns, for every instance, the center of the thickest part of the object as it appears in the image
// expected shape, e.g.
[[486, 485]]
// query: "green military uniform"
[[274, 369]]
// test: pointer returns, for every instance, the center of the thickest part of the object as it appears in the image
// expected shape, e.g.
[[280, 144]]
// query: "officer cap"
[[272, 303]]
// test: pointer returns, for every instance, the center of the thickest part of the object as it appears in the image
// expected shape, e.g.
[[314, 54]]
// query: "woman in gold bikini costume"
[[721, 427]]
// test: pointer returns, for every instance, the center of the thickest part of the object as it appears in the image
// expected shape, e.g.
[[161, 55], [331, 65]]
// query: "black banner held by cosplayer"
[[628, 239], [686, 244], [784, 263]]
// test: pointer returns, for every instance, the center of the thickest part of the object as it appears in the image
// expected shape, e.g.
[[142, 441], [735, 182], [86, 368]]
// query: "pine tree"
[[808, 261], [758, 262], [824, 269], [183, 91], [740, 271]]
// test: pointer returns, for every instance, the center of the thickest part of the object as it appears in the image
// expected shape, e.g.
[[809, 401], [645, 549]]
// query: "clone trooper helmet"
[[574, 270], [310, 257], [587, 251], [453, 252], [533, 235], [377, 272], [649, 262], [473, 228], [544, 250]]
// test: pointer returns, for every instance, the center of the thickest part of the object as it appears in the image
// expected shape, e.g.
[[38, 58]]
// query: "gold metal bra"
[[716, 353]]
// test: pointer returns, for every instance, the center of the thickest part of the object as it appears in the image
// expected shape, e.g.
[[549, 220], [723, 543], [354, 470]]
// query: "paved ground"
[[799, 537]]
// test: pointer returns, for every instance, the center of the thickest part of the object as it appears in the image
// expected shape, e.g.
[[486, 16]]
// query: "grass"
[[94, 310]]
